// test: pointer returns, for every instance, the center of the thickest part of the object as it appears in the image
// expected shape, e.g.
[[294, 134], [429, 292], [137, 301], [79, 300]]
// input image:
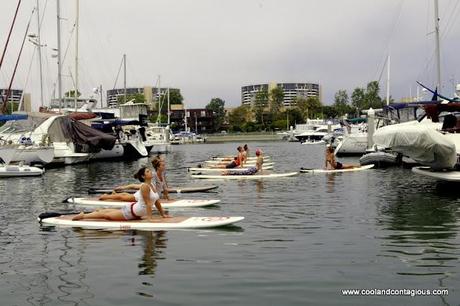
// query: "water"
[[303, 240]]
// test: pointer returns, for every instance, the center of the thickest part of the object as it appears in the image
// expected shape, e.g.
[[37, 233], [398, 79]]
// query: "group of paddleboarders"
[[139, 205], [240, 161]]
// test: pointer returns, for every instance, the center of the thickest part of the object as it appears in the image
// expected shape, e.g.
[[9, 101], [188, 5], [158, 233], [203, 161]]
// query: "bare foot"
[[80, 216]]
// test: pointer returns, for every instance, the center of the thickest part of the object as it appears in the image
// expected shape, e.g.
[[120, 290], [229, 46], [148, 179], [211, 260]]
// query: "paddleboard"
[[230, 158], [157, 224], [304, 170], [220, 169], [170, 190], [173, 204], [451, 176], [250, 162], [244, 177]]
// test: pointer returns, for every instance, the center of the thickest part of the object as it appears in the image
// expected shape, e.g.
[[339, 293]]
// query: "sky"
[[211, 48]]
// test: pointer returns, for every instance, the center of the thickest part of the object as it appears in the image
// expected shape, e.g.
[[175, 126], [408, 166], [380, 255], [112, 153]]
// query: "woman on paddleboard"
[[331, 163], [159, 180], [145, 198]]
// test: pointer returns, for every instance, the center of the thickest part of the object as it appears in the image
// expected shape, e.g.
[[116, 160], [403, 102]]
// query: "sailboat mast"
[[76, 52], [388, 80], [438, 53], [58, 8], [169, 110], [39, 46], [124, 79]]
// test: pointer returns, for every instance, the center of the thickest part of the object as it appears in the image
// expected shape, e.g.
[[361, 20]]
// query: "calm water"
[[303, 240]]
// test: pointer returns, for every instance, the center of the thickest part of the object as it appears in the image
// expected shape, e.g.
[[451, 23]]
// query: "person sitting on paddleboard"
[[145, 197], [245, 154], [331, 163]]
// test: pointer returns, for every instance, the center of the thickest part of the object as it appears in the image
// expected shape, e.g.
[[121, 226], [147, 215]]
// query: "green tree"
[[238, 117], [330, 111], [261, 100], [372, 97], [71, 94], [175, 97], [136, 98], [276, 99], [358, 99], [310, 107], [341, 102], [217, 106]]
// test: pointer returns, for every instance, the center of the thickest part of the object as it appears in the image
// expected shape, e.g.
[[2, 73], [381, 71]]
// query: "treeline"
[[268, 113]]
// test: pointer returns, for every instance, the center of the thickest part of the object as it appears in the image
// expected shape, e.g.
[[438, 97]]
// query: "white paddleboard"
[[244, 177], [451, 176], [249, 163], [158, 224], [173, 204], [170, 190], [303, 170], [218, 170]]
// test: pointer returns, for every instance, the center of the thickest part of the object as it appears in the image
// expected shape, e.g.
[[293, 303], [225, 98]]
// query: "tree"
[[341, 102], [217, 105], [372, 97], [358, 99], [71, 94], [238, 117], [261, 100], [175, 97], [309, 107], [276, 99]]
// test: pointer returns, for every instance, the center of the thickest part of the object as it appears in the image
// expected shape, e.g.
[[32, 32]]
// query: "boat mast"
[[39, 46], [169, 110], [124, 79], [58, 8], [438, 53], [9, 34], [159, 101], [76, 52], [388, 80]]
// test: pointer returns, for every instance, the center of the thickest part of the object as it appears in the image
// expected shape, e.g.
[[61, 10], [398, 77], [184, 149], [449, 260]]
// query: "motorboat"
[[7, 170]]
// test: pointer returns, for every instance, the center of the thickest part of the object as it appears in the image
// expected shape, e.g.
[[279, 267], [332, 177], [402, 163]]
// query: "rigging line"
[[5, 97], [389, 39], [9, 34], [118, 74], [68, 46], [21, 101], [449, 23]]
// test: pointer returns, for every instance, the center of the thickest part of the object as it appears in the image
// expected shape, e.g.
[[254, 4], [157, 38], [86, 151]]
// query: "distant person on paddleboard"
[[236, 162], [250, 170], [146, 197], [245, 154], [331, 163]]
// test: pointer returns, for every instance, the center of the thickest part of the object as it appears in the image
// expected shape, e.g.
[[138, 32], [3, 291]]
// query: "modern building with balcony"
[[291, 92]]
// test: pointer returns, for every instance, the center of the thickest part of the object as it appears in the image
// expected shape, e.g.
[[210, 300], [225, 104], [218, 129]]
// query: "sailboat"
[[427, 140]]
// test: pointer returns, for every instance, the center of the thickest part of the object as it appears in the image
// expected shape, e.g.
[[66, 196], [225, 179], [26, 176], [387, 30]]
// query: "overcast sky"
[[210, 48]]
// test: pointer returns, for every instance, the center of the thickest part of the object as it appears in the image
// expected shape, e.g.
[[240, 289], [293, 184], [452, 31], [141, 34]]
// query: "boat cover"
[[419, 141], [85, 138]]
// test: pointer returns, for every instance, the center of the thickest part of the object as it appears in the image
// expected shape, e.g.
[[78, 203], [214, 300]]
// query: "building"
[[199, 120], [290, 90], [14, 98], [151, 94]]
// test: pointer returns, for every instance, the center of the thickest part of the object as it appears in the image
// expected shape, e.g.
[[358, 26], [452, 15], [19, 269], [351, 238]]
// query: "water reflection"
[[330, 183], [154, 244], [422, 229]]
